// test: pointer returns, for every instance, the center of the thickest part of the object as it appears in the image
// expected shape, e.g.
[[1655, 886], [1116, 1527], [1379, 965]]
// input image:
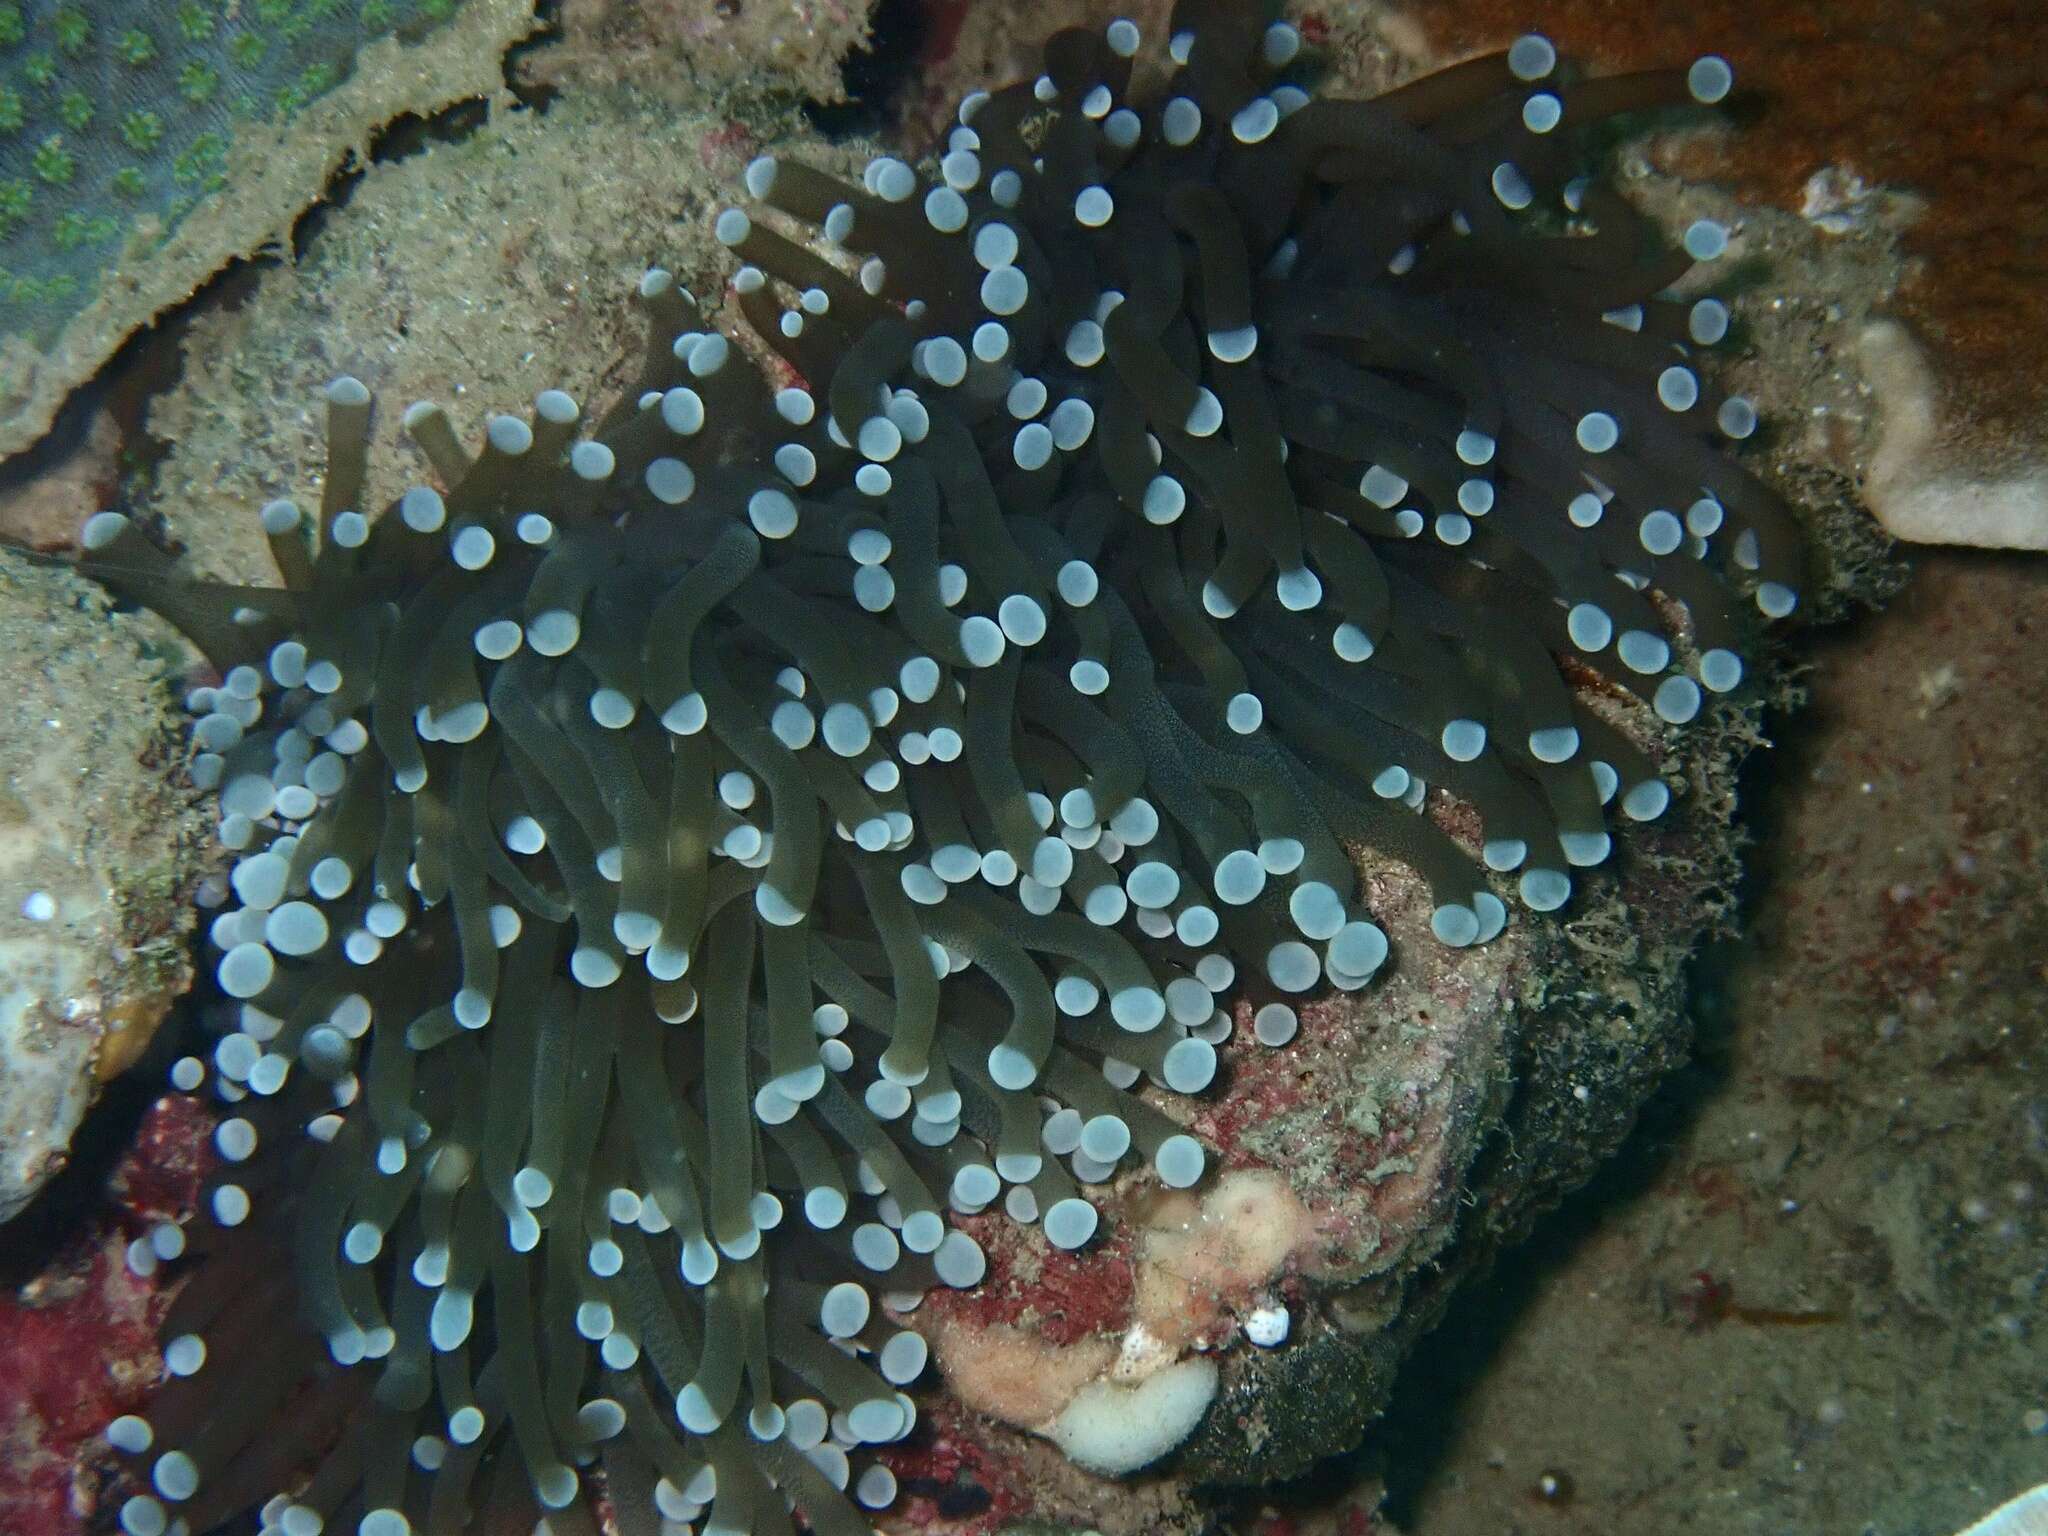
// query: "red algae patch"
[[86, 1310], [78, 1340], [1063, 1297], [950, 1478]]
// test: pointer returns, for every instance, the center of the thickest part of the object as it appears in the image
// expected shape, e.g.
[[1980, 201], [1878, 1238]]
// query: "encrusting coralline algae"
[[684, 856]]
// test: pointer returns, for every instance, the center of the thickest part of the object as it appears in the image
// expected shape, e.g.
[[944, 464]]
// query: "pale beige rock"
[[1196, 1259], [1014, 1375], [94, 848], [1921, 488]]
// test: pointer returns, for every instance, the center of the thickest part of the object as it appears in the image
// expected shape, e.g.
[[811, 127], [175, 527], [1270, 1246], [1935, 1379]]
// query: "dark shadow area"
[[1412, 1443], [1424, 1418], [875, 75], [78, 1193], [534, 95]]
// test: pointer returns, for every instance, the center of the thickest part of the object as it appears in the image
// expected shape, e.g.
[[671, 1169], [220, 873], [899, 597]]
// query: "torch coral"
[[682, 857]]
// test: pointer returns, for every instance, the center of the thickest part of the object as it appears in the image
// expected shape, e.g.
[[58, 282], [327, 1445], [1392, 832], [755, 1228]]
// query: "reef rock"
[[95, 867], [1924, 486]]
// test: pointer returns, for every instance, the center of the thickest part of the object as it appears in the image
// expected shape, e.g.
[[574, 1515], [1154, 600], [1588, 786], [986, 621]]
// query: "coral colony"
[[117, 117], [683, 856]]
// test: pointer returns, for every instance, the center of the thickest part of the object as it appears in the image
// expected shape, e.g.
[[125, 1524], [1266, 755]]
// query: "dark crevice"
[[876, 75], [534, 95], [1425, 1416], [414, 133], [406, 135], [78, 1194]]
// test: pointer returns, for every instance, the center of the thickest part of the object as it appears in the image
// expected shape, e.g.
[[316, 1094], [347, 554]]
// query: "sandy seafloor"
[[1807, 1297]]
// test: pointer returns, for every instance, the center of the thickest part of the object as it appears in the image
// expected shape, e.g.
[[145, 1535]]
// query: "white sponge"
[[1114, 1430]]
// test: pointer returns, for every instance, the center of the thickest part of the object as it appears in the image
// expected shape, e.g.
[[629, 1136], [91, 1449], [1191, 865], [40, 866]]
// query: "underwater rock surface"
[[99, 851]]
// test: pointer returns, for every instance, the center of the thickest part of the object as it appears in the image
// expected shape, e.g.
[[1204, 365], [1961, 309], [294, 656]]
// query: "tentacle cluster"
[[685, 855]]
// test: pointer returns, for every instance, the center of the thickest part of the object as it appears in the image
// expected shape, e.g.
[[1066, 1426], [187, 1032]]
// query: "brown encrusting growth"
[[1907, 96]]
